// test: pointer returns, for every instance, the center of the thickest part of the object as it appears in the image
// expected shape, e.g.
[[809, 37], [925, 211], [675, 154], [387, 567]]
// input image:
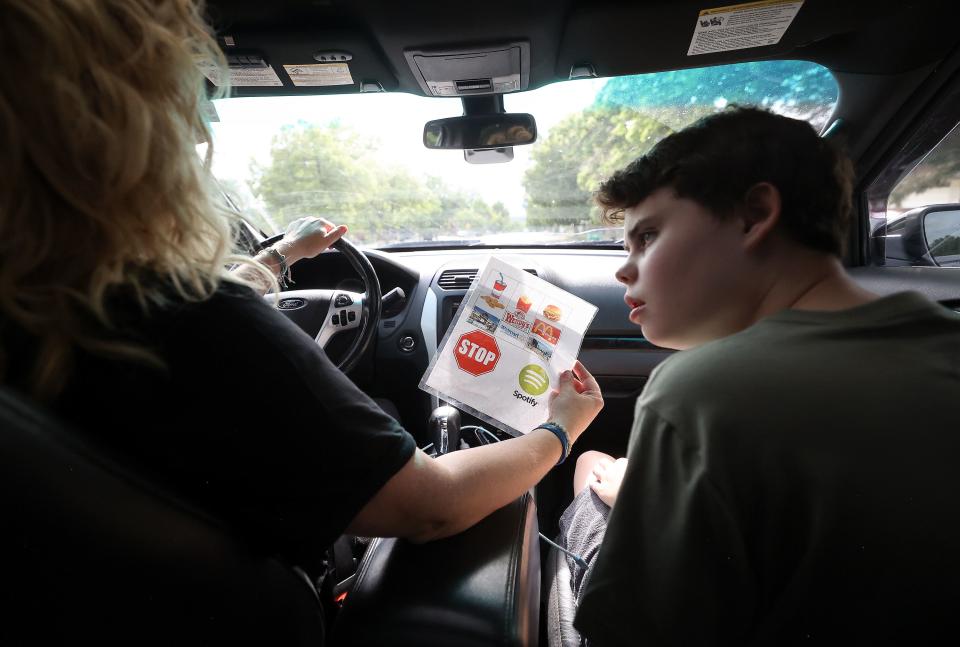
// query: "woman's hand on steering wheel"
[[307, 237]]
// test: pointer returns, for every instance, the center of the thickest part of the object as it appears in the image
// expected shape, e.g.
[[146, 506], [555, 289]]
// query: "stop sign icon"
[[476, 352]]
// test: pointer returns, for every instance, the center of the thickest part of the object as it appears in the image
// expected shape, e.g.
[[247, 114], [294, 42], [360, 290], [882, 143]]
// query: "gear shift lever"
[[445, 429]]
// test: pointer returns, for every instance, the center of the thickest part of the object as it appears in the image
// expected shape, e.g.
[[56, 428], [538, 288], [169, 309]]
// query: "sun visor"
[[284, 63], [496, 69], [658, 40]]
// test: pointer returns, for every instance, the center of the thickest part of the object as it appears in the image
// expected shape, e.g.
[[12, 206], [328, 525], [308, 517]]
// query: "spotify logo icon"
[[534, 380]]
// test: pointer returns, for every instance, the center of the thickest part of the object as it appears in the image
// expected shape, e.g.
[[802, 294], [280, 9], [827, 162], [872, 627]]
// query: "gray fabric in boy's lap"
[[582, 527]]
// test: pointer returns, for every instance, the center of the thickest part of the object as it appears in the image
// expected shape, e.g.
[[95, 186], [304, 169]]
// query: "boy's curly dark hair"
[[717, 159]]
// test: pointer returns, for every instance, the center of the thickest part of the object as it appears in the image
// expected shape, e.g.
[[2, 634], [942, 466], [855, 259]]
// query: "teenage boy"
[[791, 475]]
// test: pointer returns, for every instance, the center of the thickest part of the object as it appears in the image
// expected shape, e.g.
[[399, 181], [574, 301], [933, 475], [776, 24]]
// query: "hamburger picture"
[[552, 312]]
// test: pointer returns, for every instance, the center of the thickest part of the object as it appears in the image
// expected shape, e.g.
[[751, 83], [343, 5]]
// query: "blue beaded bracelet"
[[561, 434]]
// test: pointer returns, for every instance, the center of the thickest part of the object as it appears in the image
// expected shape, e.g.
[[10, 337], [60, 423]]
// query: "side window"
[[922, 223]]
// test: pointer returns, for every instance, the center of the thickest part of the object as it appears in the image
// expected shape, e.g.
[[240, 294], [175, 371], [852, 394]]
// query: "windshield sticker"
[[753, 24], [261, 74], [513, 335], [319, 74]]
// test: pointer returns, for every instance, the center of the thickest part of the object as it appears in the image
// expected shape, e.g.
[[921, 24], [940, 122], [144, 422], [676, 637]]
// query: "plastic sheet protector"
[[511, 338]]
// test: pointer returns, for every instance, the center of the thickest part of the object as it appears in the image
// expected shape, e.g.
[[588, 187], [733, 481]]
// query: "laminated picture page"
[[512, 337]]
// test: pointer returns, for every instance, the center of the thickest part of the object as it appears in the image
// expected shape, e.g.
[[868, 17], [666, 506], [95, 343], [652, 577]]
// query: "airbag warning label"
[[254, 75], [319, 74], [753, 24]]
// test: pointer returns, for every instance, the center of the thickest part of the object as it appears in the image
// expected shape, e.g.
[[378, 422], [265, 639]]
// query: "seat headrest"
[[93, 549]]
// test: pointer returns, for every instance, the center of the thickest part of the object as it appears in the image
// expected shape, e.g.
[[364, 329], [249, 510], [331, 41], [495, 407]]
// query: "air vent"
[[456, 279], [461, 279]]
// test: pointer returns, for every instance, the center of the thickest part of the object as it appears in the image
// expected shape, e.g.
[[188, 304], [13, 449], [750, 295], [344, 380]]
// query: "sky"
[[247, 125]]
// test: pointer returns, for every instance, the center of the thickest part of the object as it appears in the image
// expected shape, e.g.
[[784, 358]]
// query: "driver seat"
[[93, 550], [561, 603]]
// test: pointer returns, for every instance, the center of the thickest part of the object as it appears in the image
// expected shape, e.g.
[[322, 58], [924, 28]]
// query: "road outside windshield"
[[359, 159]]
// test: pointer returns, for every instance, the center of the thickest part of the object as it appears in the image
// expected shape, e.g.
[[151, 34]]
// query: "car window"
[[359, 159], [921, 224]]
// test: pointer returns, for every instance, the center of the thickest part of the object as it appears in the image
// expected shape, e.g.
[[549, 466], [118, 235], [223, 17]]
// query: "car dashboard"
[[436, 281]]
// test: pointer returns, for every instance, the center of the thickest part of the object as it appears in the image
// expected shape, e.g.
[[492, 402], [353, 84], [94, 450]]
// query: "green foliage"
[[576, 156], [939, 169], [945, 246], [680, 97], [331, 172], [630, 114]]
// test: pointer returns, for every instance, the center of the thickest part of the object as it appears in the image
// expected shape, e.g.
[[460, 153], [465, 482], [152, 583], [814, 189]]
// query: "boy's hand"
[[609, 476]]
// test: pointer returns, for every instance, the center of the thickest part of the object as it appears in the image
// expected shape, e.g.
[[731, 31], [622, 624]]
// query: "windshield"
[[359, 159]]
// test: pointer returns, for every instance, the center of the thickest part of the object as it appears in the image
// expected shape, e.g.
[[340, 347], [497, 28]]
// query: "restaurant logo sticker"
[[547, 332]]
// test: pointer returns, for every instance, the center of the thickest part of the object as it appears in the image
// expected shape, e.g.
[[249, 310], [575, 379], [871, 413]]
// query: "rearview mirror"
[[480, 131]]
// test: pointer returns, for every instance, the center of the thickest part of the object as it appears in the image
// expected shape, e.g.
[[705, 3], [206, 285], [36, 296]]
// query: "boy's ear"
[[760, 213]]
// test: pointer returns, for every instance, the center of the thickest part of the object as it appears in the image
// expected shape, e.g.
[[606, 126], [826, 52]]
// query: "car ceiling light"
[[488, 155], [494, 68], [371, 86], [583, 71]]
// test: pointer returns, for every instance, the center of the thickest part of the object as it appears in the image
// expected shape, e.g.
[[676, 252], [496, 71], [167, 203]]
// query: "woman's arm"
[[433, 498], [304, 238]]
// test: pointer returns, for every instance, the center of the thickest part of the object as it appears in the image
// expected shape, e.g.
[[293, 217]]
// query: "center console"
[[480, 587]]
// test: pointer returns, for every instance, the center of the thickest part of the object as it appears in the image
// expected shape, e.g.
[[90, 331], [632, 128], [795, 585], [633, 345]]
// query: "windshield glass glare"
[[359, 159]]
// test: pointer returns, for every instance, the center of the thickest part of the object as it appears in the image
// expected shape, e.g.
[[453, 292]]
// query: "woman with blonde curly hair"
[[118, 311]]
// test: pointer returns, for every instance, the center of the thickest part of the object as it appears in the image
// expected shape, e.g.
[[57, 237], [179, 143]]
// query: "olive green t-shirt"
[[797, 482]]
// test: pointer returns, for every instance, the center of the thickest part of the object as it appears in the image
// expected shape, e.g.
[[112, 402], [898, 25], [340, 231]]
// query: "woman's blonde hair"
[[102, 185]]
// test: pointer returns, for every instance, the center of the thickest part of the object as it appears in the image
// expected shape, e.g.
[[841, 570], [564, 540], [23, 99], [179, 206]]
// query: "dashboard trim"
[[428, 328]]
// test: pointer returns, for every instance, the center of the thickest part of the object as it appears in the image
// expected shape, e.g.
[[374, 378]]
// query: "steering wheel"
[[325, 313]]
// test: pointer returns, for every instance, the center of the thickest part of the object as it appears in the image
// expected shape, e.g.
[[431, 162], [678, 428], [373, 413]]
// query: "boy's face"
[[687, 276]]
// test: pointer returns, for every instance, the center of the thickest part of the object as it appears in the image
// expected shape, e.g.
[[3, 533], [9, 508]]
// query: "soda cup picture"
[[498, 287]]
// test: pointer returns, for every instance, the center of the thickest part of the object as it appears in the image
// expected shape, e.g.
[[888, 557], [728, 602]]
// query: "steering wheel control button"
[[336, 320], [291, 304], [407, 343], [342, 301], [351, 316]]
